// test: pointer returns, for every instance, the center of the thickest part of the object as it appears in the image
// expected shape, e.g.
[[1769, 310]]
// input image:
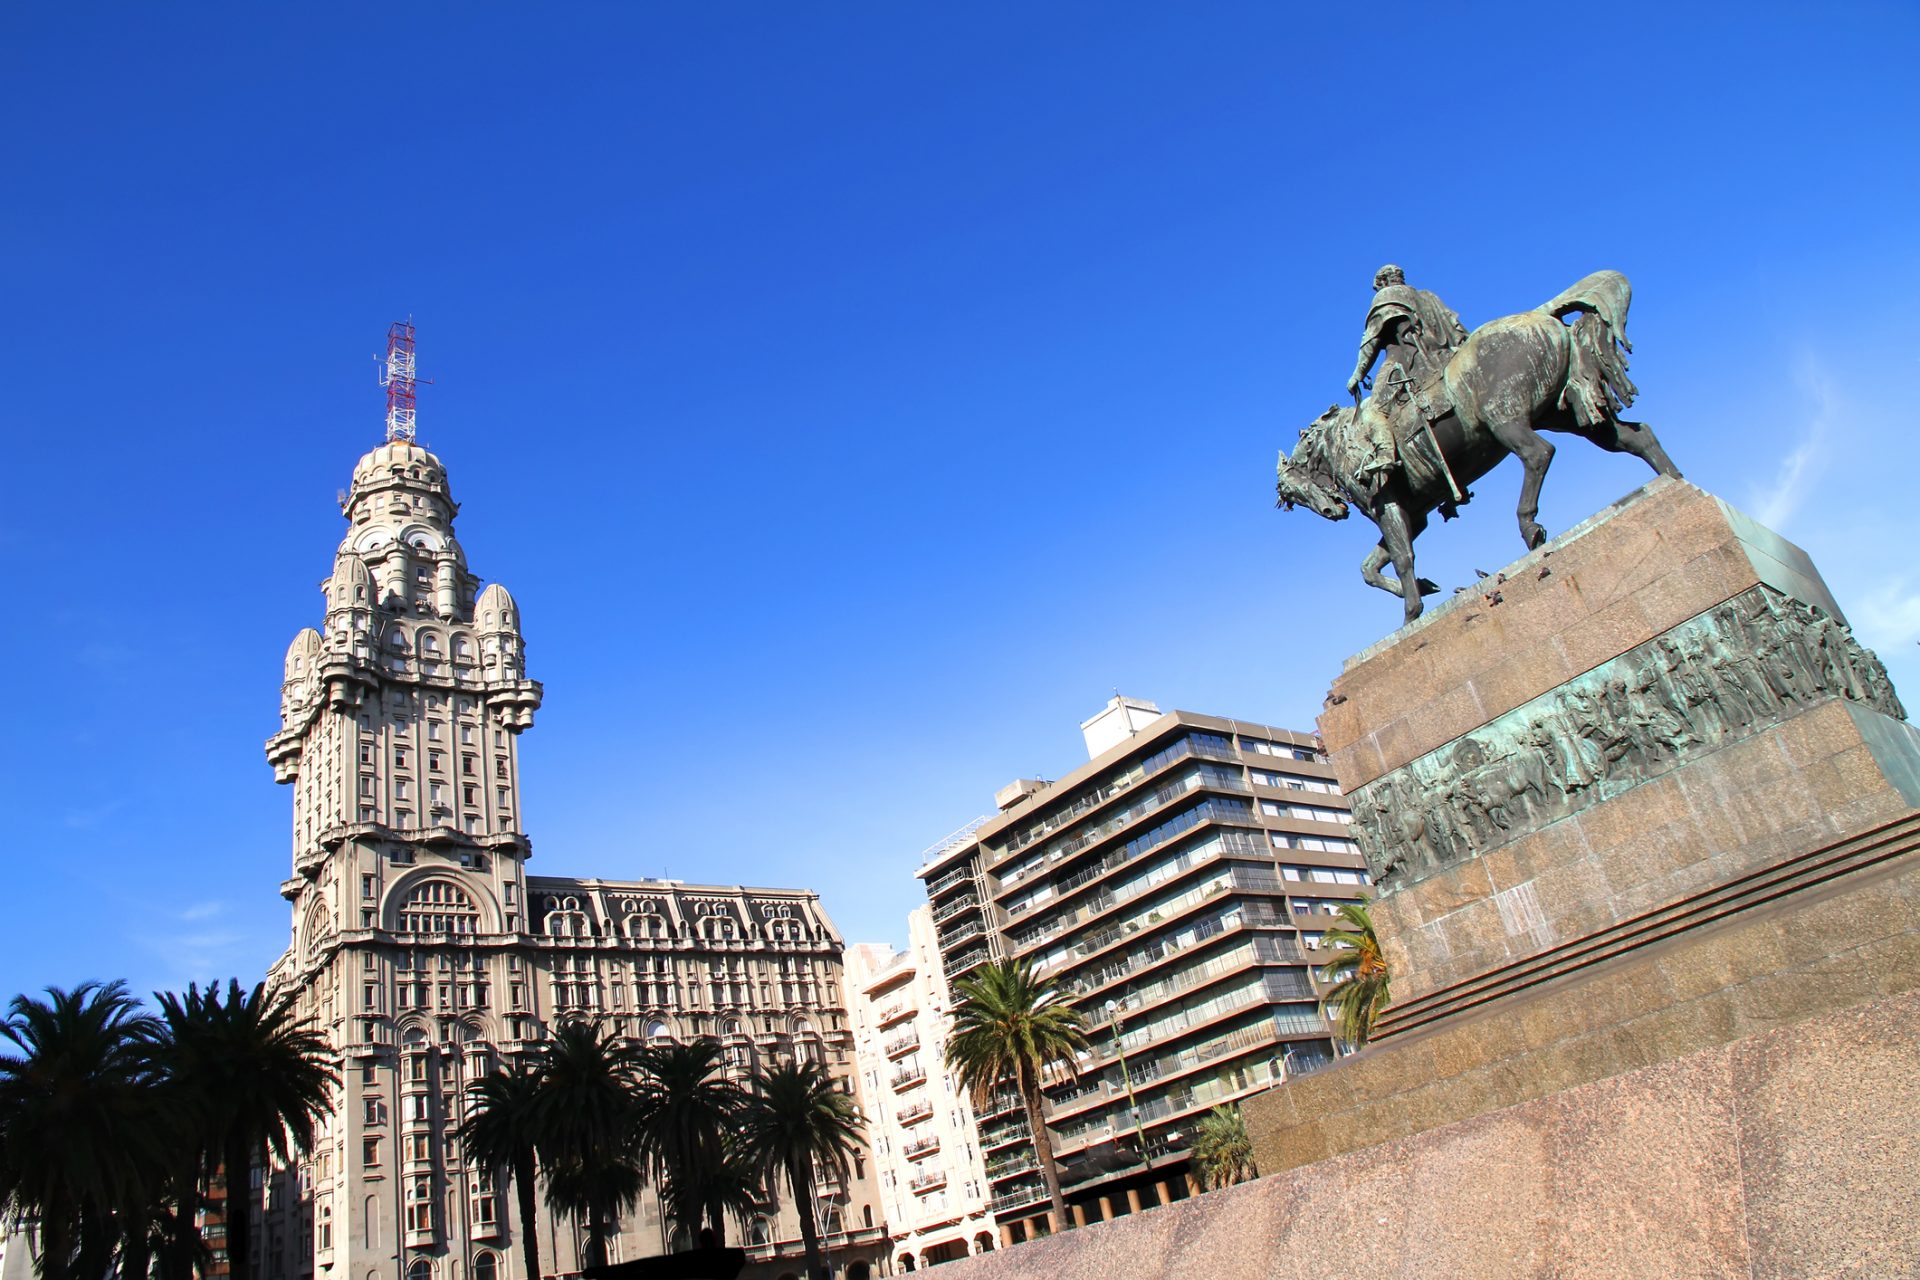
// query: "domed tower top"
[[400, 481]]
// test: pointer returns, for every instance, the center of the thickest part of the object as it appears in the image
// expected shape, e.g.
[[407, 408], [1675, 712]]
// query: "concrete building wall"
[[926, 1145], [1178, 885]]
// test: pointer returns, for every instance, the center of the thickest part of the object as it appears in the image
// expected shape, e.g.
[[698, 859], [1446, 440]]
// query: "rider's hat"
[[1387, 275]]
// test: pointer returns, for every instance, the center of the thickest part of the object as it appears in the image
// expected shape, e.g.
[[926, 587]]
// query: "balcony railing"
[[1018, 1198], [907, 1077], [897, 1011], [947, 879], [1151, 767], [960, 964], [953, 938], [902, 1044], [921, 1149], [965, 902], [915, 1114], [1203, 778], [1021, 1163], [932, 1180]]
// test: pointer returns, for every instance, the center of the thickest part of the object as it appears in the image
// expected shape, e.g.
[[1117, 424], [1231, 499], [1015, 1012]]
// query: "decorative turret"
[[503, 661], [299, 684]]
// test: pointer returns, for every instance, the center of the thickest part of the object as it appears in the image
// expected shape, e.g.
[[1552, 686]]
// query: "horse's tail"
[[1597, 386], [1606, 294]]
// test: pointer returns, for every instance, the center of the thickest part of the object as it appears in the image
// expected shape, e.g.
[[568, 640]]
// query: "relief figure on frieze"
[[1718, 678]]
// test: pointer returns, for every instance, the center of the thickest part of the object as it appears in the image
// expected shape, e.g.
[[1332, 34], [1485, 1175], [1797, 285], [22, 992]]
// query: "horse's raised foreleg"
[[1536, 455], [1370, 569], [1396, 539]]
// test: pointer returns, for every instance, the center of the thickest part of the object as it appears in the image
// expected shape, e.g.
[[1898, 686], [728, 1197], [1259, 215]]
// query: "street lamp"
[[1140, 1135]]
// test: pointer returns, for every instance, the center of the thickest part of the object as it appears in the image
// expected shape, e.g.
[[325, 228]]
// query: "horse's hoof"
[[1428, 586], [1534, 534]]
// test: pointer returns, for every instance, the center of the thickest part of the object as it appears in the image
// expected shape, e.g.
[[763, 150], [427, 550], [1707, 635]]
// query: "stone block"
[[1479, 1204], [1829, 1126], [1627, 1198], [1603, 635]]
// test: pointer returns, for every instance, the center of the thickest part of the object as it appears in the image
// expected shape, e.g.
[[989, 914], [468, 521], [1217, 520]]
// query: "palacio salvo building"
[[429, 955]]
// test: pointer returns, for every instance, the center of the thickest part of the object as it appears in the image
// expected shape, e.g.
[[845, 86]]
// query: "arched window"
[[759, 1231], [983, 1243], [397, 641], [858, 1270], [420, 1269], [485, 1267], [565, 919], [657, 1030], [719, 927], [319, 929], [645, 924], [438, 906]]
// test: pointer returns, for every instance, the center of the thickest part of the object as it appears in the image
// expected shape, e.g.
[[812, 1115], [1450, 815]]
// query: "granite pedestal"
[[1707, 831]]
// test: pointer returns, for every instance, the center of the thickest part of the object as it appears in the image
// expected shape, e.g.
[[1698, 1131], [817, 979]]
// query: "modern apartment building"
[[1178, 884], [925, 1143], [428, 955]]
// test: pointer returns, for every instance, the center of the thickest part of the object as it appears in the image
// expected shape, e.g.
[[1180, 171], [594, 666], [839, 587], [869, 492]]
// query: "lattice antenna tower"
[[397, 376]]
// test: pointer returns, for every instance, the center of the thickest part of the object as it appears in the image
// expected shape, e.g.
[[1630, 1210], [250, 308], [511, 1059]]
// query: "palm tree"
[[686, 1105], [1221, 1149], [798, 1117], [502, 1131], [731, 1185], [80, 1130], [255, 1077], [1013, 1025], [587, 1116], [1358, 971]]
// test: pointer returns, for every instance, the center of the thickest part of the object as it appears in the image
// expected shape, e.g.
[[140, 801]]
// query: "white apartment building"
[[932, 1179]]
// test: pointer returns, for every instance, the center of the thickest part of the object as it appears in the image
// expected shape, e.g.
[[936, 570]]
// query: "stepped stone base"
[[1792, 1152]]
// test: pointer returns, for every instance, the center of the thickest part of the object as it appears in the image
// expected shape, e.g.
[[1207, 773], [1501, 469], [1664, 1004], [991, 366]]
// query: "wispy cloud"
[[1776, 504], [203, 910]]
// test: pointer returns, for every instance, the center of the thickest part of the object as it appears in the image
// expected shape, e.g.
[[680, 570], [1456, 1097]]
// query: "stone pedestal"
[[1638, 795]]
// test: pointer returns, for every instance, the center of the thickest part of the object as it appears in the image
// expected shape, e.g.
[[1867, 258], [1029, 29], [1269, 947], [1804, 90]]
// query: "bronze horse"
[[1512, 379]]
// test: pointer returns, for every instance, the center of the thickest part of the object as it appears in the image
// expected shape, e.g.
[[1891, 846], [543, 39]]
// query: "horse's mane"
[[1323, 449]]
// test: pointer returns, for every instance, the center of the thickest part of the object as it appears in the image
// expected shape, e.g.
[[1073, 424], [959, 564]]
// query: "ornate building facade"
[[428, 955]]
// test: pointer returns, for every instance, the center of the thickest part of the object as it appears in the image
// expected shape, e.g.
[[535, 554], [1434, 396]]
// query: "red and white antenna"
[[398, 378]]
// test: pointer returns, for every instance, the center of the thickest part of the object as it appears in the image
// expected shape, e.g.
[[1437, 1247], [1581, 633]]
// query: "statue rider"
[[1418, 334]]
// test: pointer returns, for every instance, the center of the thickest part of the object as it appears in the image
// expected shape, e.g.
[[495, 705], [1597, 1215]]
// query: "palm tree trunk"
[[1043, 1147], [238, 1210], [717, 1218], [802, 1182], [56, 1244], [523, 1174], [596, 1237], [181, 1244], [136, 1251]]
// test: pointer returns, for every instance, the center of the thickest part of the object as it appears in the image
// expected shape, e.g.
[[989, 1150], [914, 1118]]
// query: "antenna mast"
[[397, 377]]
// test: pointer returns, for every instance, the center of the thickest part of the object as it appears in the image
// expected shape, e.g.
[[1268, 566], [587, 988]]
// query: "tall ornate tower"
[[399, 722], [427, 955]]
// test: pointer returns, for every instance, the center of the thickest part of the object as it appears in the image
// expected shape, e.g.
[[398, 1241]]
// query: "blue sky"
[[853, 396]]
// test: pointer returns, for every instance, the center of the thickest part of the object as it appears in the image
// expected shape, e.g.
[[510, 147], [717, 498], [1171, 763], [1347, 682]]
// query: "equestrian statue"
[[1447, 406]]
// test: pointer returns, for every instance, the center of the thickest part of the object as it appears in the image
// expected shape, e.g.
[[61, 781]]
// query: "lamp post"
[[1140, 1135]]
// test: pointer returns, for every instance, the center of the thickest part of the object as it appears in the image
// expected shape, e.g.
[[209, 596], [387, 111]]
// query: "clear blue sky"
[[853, 395]]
